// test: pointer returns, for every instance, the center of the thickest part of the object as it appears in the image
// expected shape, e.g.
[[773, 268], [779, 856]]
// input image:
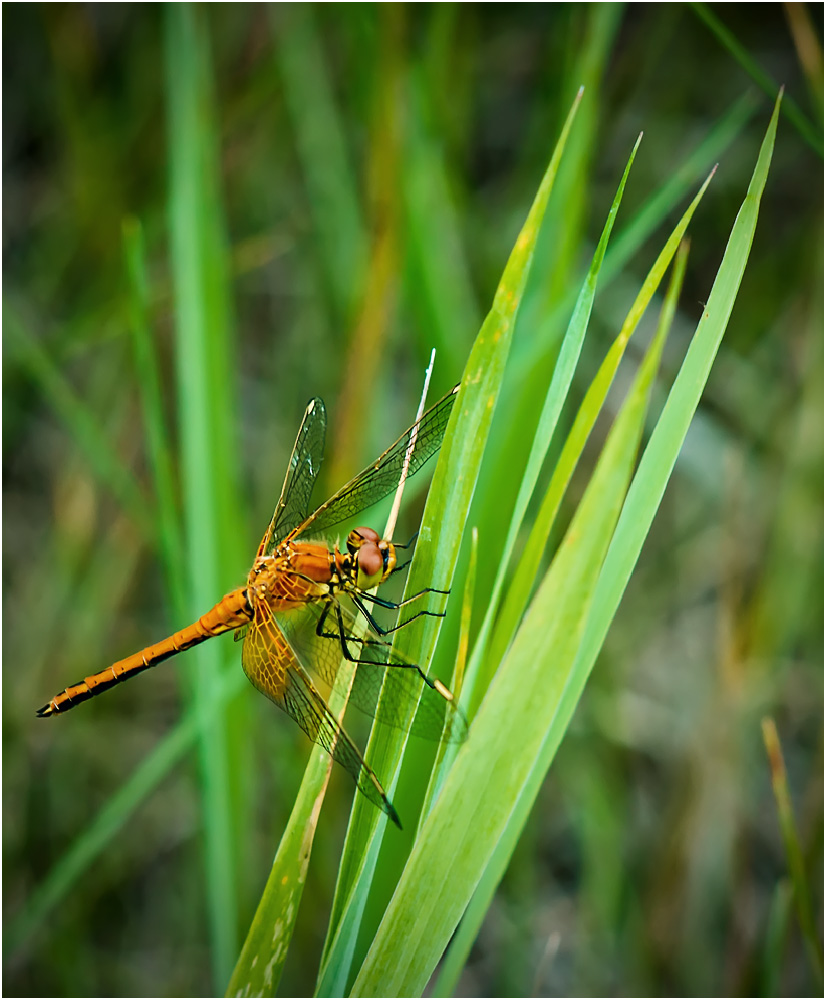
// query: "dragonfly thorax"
[[297, 572]]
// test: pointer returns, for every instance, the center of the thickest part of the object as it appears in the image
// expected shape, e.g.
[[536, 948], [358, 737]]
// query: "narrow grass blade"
[[444, 300], [484, 784], [667, 438], [632, 236], [436, 553], [794, 854], [554, 401], [793, 112], [332, 192], [206, 409], [264, 952], [262, 958], [664, 446], [525, 573], [81, 422], [102, 829], [447, 751], [777, 931], [441, 855], [159, 446]]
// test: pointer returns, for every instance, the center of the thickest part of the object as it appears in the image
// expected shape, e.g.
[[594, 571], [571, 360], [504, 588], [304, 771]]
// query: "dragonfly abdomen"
[[229, 613]]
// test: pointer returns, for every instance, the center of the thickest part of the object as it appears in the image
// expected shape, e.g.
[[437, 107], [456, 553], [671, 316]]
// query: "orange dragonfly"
[[291, 616]]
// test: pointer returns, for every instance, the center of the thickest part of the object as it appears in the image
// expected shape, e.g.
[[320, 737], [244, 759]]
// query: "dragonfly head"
[[375, 558]]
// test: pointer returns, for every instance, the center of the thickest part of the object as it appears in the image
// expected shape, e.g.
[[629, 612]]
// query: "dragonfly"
[[294, 612]]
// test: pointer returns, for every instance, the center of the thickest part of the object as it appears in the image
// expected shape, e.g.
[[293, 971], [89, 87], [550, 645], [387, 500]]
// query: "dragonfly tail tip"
[[47, 710]]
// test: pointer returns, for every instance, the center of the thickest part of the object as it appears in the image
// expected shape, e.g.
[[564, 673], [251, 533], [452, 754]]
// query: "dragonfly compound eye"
[[358, 536], [370, 565]]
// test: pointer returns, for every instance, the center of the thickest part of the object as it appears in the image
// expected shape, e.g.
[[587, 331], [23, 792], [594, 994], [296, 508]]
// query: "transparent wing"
[[272, 667], [302, 472], [382, 477], [437, 717]]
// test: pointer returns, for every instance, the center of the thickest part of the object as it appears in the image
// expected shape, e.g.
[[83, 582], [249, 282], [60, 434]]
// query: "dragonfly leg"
[[395, 605], [341, 636], [344, 639], [356, 598], [408, 544]]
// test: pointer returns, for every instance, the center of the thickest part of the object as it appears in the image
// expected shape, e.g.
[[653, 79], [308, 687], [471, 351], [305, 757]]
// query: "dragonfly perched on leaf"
[[291, 616]]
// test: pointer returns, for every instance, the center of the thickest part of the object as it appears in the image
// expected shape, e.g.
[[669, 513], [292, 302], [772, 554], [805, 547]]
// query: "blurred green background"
[[367, 168]]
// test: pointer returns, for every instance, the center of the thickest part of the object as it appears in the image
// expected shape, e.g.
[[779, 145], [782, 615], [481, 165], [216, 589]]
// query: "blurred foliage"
[[376, 162]]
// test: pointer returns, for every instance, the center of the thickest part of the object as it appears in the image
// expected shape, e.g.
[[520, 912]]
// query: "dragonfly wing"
[[305, 463], [382, 477], [321, 647], [273, 668]]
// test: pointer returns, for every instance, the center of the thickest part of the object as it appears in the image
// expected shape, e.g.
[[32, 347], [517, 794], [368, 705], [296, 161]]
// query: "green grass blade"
[[794, 854], [444, 300], [777, 931], [447, 860], [102, 829], [332, 193], [525, 573], [554, 401], [666, 440], [206, 412], [792, 110], [81, 423], [264, 952], [159, 446], [664, 446], [471, 921], [483, 787], [632, 236], [435, 559]]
